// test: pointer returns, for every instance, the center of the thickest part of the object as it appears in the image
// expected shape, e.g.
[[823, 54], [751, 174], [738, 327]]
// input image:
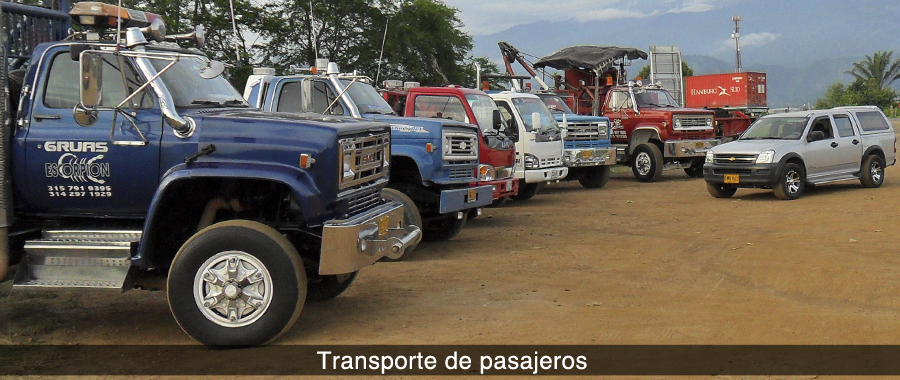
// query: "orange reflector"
[[306, 161], [609, 81], [483, 170], [429, 147], [485, 85], [313, 70]]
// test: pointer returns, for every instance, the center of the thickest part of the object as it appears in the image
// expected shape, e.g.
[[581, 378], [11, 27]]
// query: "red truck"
[[649, 128], [497, 154], [731, 92]]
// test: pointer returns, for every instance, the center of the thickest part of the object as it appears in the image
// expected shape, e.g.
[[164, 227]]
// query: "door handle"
[[39, 117], [855, 142], [834, 145]]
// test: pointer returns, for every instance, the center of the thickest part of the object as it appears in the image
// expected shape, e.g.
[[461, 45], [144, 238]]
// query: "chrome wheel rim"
[[642, 162], [876, 171], [233, 289], [792, 181]]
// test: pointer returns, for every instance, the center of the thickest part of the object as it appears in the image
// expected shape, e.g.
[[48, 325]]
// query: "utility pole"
[[736, 36]]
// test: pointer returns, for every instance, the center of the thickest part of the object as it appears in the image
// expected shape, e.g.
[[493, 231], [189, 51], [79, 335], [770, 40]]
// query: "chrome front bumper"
[[546, 175], [465, 198], [351, 244], [589, 157], [688, 148]]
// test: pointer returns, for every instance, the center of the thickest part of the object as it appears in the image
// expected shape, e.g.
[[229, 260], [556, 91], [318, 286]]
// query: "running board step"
[[65, 259]]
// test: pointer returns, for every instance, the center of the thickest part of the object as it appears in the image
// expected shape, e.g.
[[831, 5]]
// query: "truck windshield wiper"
[[236, 103], [204, 102]]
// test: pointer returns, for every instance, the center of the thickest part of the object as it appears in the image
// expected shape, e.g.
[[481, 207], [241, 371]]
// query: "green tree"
[[686, 71], [877, 67], [858, 93], [422, 40]]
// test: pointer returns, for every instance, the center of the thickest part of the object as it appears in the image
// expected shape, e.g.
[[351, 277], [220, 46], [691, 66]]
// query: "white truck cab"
[[539, 141]]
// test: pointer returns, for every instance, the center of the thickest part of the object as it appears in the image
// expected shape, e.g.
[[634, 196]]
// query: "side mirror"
[[212, 69], [815, 136], [497, 121], [91, 79], [536, 124], [83, 116]]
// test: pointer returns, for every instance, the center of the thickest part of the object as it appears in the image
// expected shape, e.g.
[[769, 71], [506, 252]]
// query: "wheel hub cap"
[[643, 163], [792, 180], [233, 289]]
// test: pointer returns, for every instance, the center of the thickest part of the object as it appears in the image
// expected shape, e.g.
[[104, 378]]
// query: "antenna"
[[312, 29], [119, 25], [736, 36], [237, 52], [380, 56]]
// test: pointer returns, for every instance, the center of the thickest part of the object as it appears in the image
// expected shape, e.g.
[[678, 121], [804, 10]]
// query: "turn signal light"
[[429, 147]]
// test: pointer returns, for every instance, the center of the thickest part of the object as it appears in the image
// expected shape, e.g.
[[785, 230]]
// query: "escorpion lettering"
[[78, 170]]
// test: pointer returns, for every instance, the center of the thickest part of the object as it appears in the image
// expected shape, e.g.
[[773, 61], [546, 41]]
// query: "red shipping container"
[[730, 91]]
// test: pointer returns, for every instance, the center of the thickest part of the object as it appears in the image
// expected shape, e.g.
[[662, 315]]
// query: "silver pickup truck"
[[786, 152]]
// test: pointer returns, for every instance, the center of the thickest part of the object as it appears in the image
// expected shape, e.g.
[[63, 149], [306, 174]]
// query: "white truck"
[[787, 152], [539, 142]]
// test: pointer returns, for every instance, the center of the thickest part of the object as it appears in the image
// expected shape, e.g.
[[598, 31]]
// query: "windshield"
[[555, 103], [189, 90], [528, 106], [654, 98], [483, 107], [366, 98], [776, 128]]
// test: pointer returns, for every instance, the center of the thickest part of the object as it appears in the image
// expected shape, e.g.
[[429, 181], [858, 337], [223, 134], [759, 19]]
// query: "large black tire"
[[267, 271], [595, 178], [647, 163], [324, 288], [719, 190], [444, 228], [791, 182], [527, 190], [871, 172], [411, 216], [695, 170], [499, 202]]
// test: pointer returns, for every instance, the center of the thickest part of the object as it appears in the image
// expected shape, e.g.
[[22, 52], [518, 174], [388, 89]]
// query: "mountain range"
[[803, 47]]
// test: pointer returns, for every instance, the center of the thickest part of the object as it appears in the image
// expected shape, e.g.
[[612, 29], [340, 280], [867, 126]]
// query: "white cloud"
[[752, 39], [483, 17]]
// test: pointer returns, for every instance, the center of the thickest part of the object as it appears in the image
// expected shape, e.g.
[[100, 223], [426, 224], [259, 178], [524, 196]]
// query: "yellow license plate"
[[472, 196], [587, 154], [699, 144], [383, 225], [732, 178]]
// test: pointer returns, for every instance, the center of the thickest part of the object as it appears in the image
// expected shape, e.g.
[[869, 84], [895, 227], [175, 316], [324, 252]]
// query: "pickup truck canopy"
[[590, 57]]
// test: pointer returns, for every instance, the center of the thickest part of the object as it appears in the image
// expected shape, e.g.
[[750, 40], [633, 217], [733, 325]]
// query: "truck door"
[[849, 149], [619, 110], [822, 160], [305, 95], [78, 170]]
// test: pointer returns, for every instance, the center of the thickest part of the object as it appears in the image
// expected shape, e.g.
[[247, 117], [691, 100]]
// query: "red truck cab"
[[497, 154]]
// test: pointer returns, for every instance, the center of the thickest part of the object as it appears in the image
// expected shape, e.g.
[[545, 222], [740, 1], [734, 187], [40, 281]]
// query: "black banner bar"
[[672, 360]]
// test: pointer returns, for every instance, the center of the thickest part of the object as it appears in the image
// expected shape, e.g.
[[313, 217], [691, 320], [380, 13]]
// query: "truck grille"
[[735, 159], [584, 131], [460, 146], [692, 122], [363, 159], [462, 173], [364, 201], [550, 162]]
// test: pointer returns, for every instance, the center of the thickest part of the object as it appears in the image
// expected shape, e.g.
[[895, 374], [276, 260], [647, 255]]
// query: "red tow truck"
[[497, 154], [649, 128]]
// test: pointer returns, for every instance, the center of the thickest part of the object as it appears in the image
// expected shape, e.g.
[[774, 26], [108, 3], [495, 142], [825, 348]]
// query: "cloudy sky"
[[484, 17]]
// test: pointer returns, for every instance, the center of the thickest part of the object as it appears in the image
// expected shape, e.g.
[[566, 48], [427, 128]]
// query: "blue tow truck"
[[134, 164], [433, 161]]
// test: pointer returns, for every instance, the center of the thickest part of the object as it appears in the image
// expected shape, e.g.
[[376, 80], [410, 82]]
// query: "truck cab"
[[434, 161], [131, 162], [539, 143], [497, 154], [588, 149], [650, 130]]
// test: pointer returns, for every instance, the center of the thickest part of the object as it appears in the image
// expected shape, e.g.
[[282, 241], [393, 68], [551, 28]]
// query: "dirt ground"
[[631, 263]]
